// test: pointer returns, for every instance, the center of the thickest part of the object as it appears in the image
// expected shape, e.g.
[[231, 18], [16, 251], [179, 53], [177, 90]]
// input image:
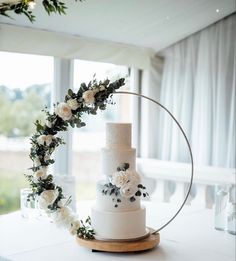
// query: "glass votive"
[[231, 218], [27, 205]]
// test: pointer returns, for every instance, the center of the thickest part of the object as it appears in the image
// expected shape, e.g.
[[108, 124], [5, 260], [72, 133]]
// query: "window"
[[25, 88], [88, 141]]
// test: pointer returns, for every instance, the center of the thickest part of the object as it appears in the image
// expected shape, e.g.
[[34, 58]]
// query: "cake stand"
[[122, 246]]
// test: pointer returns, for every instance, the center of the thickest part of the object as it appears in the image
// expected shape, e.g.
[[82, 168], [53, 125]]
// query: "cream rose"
[[75, 225], [41, 173], [63, 110], [45, 139], [88, 97], [63, 217], [47, 198], [37, 162], [119, 179], [73, 104], [46, 158], [102, 88], [128, 190]]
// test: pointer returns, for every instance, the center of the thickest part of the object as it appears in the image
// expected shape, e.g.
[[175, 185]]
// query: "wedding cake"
[[118, 213]]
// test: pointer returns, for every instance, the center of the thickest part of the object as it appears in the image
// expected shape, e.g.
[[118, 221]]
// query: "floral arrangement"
[[25, 7], [125, 183], [49, 196]]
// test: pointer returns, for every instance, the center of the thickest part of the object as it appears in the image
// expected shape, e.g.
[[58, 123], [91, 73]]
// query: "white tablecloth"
[[188, 238]]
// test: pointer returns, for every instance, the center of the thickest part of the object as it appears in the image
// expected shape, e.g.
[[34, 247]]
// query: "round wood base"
[[116, 246]]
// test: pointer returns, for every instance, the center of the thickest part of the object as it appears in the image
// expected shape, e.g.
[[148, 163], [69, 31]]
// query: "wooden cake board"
[[147, 243]]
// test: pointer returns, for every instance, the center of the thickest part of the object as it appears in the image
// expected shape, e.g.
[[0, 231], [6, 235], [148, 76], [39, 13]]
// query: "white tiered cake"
[[117, 213]]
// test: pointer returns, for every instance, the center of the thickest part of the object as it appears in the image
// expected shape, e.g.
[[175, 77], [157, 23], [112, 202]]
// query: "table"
[[189, 237]]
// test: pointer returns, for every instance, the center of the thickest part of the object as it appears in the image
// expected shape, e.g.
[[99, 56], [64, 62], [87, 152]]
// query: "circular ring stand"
[[189, 149], [152, 238], [118, 246]]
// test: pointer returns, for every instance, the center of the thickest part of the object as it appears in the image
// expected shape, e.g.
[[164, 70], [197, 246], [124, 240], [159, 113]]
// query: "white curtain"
[[198, 87], [35, 41]]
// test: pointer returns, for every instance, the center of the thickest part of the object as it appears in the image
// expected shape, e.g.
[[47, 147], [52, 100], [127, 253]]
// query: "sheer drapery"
[[198, 87], [36, 41]]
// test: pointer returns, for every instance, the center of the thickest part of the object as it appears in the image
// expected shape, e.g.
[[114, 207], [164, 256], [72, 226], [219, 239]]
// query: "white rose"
[[102, 88], [46, 158], [133, 176], [47, 198], [73, 104], [128, 190], [63, 217], [45, 139], [88, 97], [37, 162], [63, 110], [41, 173], [48, 124], [75, 225], [119, 179]]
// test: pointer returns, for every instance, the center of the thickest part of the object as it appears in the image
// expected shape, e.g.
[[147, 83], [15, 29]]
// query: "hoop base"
[[120, 247]]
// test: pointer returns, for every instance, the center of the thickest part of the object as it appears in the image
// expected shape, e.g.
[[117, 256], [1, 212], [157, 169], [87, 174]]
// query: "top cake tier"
[[118, 135]]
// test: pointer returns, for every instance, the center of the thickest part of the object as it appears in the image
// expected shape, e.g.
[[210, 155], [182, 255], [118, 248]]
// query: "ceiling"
[[153, 24]]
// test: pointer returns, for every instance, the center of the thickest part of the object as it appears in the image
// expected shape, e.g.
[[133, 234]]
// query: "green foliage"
[[123, 167], [100, 94], [23, 7], [18, 8], [85, 231]]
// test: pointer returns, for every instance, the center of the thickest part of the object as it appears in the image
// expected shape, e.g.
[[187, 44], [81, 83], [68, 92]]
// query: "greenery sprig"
[[86, 231], [129, 180], [25, 7]]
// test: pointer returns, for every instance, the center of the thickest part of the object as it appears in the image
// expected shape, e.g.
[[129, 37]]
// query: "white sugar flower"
[[47, 198], [41, 173], [73, 104], [88, 97], [119, 178], [45, 139], [63, 110], [128, 190], [133, 176]]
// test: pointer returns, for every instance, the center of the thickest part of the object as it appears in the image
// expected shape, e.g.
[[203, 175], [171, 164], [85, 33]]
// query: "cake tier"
[[107, 202], [119, 225], [118, 135], [113, 158]]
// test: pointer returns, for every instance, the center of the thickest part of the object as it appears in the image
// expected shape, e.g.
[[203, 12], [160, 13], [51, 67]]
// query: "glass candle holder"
[[27, 205]]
